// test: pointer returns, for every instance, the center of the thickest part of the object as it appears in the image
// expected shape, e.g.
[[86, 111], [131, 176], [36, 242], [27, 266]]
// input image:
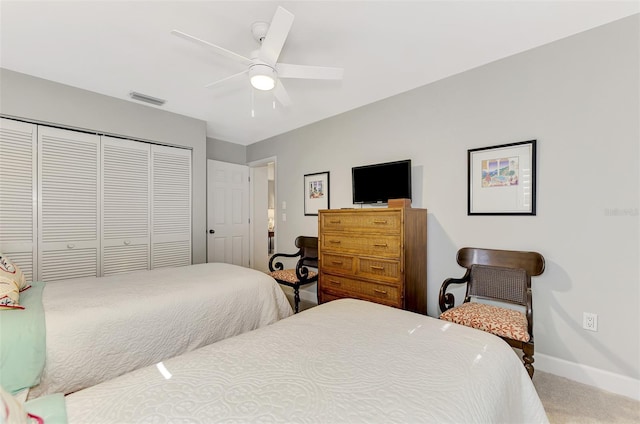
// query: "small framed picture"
[[502, 179], [316, 193]]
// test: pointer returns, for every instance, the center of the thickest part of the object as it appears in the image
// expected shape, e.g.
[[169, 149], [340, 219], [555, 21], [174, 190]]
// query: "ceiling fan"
[[263, 68]]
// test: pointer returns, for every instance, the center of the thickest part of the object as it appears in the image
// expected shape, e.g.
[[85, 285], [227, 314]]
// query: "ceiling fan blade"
[[286, 70], [221, 51], [234, 76], [276, 36], [281, 94]]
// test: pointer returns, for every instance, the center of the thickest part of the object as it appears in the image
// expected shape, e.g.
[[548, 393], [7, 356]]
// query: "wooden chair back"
[[531, 262], [308, 250]]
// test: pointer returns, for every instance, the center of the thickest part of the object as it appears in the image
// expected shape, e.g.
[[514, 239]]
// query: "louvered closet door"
[[170, 207], [18, 150], [125, 205], [69, 214]]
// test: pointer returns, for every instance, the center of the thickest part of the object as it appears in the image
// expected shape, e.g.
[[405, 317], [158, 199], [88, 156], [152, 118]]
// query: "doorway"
[[263, 209]]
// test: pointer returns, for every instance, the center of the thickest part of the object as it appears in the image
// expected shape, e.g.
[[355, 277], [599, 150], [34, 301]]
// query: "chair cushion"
[[289, 275], [502, 322]]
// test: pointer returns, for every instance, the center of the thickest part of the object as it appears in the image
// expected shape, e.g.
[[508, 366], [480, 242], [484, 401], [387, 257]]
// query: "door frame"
[[252, 229]]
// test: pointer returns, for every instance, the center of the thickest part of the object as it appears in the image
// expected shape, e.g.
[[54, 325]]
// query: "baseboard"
[[308, 296], [601, 379]]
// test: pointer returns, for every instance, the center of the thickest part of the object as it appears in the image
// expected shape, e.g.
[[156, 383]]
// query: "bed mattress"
[[343, 361], [99, 328]]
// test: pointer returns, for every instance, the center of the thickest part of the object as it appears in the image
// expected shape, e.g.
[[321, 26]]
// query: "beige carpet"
[[567, 401]]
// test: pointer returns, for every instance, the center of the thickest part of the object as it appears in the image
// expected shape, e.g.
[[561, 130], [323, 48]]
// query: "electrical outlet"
[[590, 321]]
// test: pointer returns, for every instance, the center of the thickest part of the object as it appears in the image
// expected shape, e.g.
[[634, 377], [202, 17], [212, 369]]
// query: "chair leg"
[[527, 350], [296, 298]]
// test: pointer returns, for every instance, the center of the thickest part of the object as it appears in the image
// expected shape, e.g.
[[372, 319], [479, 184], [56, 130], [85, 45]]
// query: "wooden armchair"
[[300, 275], [495, 278]]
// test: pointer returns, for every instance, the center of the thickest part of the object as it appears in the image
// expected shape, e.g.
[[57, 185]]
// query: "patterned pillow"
[[12, 282], [11, 411]]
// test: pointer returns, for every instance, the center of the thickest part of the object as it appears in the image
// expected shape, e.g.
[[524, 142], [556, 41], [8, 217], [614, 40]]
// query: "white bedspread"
[[99, 328], [343, 361]]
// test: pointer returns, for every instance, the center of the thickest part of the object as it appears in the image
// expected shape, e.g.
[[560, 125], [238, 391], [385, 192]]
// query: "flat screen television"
[[380, 182]]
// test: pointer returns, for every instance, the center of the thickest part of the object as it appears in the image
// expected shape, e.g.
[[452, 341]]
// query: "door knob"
[[212, 231]]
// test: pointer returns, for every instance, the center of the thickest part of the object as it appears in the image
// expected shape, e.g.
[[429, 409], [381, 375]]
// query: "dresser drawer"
[[334, 285], [337, 262], [381, 269], [374, 221], [369, 245]]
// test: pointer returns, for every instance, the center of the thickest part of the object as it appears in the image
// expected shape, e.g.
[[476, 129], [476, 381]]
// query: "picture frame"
[[316, 193], [502, 179]]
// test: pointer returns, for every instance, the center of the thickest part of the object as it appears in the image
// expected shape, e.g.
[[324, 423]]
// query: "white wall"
[[579, 97], [226, 152], [35, 99]]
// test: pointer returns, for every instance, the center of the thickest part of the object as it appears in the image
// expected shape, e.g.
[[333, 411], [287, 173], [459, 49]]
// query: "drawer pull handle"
[[334, 282], [380, 245], [334, 241], [334, 221], [379, 268], [337, 262], [380, 291], [380, 221]]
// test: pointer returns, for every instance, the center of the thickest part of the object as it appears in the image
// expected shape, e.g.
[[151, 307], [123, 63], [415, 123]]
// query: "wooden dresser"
[[373, 254]]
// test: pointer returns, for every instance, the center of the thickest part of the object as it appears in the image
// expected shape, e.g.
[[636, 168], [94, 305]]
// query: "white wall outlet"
[[590, 321], [284, 217]]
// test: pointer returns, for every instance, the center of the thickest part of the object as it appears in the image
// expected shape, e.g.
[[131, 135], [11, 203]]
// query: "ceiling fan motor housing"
[[259, 30]]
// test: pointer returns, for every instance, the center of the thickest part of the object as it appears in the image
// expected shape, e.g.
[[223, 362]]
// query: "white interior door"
[[126, 169], [260, 220], [170, 207], [69, 204], [228, 213], [18, 177]]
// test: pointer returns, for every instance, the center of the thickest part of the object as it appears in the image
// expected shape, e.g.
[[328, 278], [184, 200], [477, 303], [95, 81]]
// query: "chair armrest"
[[302, 272], [278, 266], [447, 300]]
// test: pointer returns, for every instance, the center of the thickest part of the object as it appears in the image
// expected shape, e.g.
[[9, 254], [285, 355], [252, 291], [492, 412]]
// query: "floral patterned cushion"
[[289, 275], [12, 283], [502, 322]]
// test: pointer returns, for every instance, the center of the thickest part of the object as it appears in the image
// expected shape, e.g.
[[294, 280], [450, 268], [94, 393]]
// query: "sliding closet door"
[[170, 207], [69, 213], [18, 150], [126, 202]]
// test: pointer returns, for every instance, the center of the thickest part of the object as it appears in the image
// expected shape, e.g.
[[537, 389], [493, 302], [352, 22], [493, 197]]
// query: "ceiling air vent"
[[145, 98]]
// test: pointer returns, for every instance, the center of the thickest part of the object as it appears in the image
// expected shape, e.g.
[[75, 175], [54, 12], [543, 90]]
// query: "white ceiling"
[[385, 48]]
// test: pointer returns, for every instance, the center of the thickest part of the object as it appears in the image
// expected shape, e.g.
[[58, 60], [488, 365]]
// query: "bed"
[[99, 328], [344, 361]]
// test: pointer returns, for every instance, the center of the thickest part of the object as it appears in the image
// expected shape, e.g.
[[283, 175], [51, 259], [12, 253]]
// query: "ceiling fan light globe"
[[263, 82], [262, 77]]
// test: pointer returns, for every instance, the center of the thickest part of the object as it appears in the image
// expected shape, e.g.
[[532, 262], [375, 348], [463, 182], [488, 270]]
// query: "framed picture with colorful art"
[[502, 179], [316, 193]]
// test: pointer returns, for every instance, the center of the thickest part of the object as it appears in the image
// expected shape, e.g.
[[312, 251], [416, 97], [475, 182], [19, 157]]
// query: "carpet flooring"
[[567, 401]]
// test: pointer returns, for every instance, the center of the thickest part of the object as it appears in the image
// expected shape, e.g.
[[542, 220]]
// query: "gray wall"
[[579, 97], [43, 101], [226, 152]]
